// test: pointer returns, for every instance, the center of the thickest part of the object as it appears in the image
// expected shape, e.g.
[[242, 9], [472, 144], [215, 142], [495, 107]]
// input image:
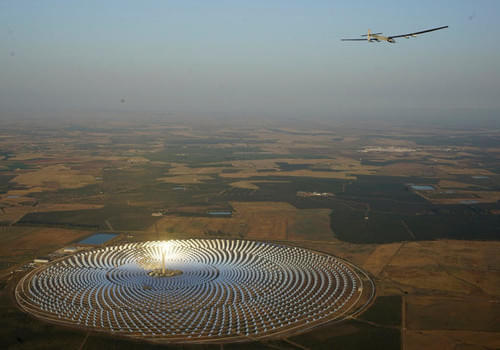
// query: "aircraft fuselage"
[[375, 37]]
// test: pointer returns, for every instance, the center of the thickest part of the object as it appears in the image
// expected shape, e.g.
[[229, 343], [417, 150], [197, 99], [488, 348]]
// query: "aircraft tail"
[[368, 36]]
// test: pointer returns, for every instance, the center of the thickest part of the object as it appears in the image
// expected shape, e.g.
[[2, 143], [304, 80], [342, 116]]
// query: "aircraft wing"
[[416, 33], [372, 34]]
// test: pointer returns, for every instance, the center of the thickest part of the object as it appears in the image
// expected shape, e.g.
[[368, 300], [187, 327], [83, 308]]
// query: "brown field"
[[22, 193], [34, 238], [392, 142], [313, 224], [380, 257], [454, 170], [182, 169], [344, 168], [55, 177], [251, 185], [461, 195], [452, 184], [454, 268], [29, 155], [173, 226], [256, 220], [15, 213], [15, 197], [465, 313], [22, 244], [14, 209], [265, 220], [451, 288], [300, 173], [451, 340], [244, 184], [443, 169], [185, 179], [132, 203], [409, 169], [45, 207]]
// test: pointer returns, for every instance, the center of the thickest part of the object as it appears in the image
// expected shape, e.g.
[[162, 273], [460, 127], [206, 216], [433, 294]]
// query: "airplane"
[[371, 37]]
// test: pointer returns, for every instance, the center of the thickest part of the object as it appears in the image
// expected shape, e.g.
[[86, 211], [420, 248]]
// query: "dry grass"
[[251, 185], [393, 142], [313, 224], [256, 220], [442, 168], [28, 156], [265, 220], [21, 244], [185, 179], [36, 238], [195, 226], [380, 257], [137, 160], [22, 193], [452, 184], [182, 169], [457, 170], [245, 185], [453, 288], [297, 173], [55, 177], [445, 267], [463, 195], [13, 214], [342, 168], [45, 207], [133, 203], [182, 174], [451, 340], [408, 169], [468, 313], [338, 163]]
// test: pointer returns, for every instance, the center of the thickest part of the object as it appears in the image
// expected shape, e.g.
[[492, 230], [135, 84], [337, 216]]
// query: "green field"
[[350, 335], [386, 310]]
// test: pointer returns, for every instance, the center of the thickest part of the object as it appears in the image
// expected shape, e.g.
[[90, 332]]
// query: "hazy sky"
[[247, 58]]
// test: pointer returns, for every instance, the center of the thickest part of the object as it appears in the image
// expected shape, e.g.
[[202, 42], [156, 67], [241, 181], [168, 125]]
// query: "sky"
[[248, 59]]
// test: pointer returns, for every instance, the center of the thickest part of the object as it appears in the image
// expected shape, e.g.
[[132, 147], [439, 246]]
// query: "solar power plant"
[[196, 290]]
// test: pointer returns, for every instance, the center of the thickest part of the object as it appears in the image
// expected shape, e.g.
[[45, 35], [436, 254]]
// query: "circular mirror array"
[[196, 289]]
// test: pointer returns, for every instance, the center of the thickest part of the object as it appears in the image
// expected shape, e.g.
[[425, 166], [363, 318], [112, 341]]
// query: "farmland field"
[[419, 213]]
